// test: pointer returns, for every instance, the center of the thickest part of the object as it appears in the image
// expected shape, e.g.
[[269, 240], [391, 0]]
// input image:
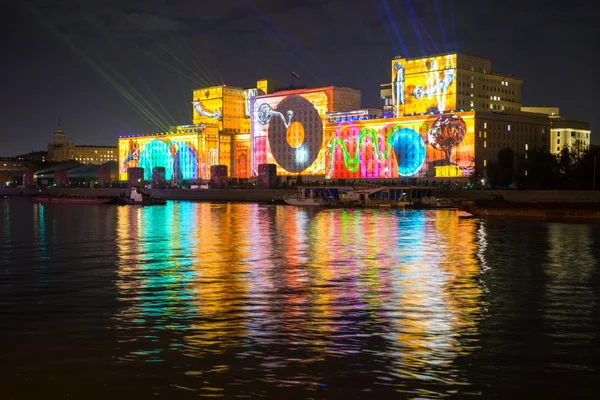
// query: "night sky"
[[102, 66]]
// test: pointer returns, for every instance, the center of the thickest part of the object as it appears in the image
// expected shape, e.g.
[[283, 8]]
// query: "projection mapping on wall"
[[178, 155], [290, 132], [424, 85]]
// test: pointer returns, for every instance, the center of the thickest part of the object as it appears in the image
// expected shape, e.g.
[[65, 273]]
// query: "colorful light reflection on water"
[[244, 300], [293, 290]]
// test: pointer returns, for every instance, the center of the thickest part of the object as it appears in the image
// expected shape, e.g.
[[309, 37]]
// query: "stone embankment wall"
[[525, 196], [238, 195], [567, 214]]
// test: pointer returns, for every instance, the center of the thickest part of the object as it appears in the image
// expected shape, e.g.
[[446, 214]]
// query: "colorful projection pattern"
[[290, 131], [402, 147], [287, 130], [178, 155], [424, 85]]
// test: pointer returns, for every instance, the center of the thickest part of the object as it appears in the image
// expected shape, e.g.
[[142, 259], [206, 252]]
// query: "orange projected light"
[[295, 134]]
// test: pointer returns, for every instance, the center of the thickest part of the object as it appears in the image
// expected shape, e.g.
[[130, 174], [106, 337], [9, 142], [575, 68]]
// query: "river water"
[[249, 301]]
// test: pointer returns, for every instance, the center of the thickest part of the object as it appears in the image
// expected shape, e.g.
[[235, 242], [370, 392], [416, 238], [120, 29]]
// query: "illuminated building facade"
[[448, 82], [186, 154], [296, 131], [61, 149], [229, 108], [565, 132], [288, 127], [319, 132], [219, 135], [444, 116]]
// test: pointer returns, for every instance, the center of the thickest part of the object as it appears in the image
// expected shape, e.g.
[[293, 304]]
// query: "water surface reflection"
[[286, 294]]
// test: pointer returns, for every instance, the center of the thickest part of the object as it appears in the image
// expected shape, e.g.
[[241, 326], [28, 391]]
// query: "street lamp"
[[482, 185]]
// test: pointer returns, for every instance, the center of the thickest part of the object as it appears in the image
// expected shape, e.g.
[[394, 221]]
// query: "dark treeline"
[[540, 169]]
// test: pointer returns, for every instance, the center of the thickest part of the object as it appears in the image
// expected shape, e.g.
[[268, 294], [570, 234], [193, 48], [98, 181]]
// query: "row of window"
[[575, 134], [518, 128]]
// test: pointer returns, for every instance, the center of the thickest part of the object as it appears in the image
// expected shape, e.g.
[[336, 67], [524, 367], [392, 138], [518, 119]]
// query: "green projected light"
[[156, 154], [407, 144]]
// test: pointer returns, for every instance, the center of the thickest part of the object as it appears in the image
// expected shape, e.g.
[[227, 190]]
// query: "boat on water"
[[138, 198], [304, 198], [71, 200], [432, 202], [335, 197], [373, 197]]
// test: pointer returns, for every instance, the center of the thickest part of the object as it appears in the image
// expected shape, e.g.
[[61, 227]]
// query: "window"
[[485, 163], [572, 134], [485, 143], [508, 127], [557, 141], [526, 146], [485, 125], [558, 134]]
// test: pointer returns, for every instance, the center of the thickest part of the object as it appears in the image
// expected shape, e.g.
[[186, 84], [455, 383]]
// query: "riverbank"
[[229, 195], [577, 212]]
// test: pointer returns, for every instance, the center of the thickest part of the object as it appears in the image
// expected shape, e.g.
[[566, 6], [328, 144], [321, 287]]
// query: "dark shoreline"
[[566, 206], [584, 212], [214, 195]]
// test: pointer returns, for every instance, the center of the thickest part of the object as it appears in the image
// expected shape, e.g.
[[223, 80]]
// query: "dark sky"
[[115, 67]]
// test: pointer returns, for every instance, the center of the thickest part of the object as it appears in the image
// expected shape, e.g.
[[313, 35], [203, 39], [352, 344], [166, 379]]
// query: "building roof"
[[441, 55], [93, 146]]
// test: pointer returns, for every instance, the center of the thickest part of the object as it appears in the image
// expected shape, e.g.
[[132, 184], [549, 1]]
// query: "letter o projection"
[[409, 150]]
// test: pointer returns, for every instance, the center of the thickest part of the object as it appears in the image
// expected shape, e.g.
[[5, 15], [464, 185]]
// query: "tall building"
[[219, 135], [61, 149], [518, 131], [186, 153], [444, 116], [564, 132], [288, 127], [448, 82]]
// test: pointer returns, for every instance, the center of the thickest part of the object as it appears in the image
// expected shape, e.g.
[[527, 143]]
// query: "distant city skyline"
[[111, 69]]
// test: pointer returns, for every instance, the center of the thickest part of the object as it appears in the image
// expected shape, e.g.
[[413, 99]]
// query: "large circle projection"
[[409, 149], [295, 143]]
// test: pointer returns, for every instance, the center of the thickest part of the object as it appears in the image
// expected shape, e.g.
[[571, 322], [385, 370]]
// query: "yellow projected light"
[[424, 85], [295, 134]]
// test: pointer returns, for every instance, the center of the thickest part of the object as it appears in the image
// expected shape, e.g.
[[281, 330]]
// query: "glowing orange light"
[[295, 134]]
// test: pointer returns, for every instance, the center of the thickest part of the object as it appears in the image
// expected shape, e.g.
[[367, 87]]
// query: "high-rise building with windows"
[[219, 135], [62, 149], [448, 82], [565, 132], [445, 116]]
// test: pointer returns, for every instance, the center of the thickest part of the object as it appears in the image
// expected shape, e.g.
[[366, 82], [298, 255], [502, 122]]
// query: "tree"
[[568, 160], [501, 173], [539, 170], [583, 169]]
